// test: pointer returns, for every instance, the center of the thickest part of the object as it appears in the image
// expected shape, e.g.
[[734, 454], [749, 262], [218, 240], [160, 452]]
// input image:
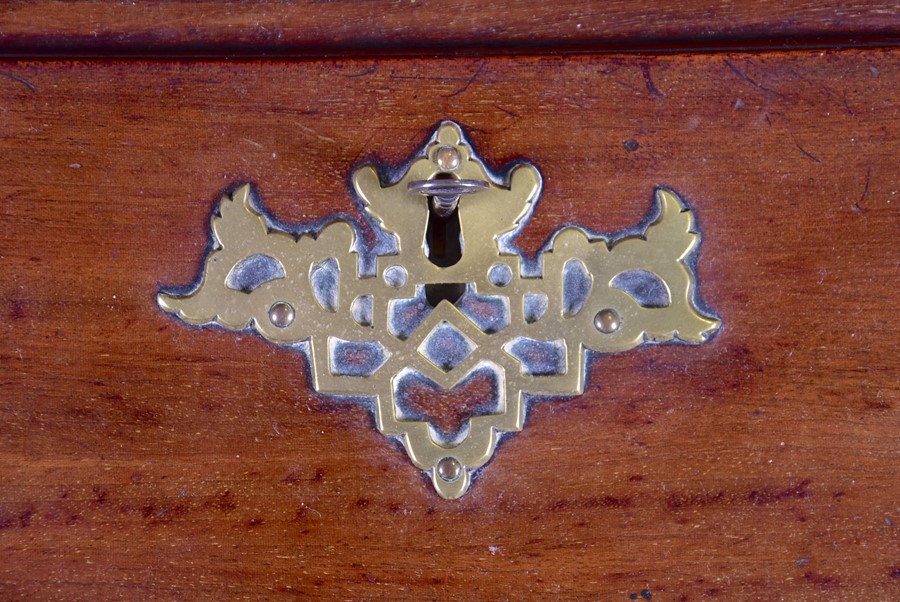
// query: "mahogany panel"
[[316, 27], [144, 460]]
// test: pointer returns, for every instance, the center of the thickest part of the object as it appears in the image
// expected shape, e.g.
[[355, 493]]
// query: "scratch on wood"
[[807, 153], [508, 112], [751, 81], [648, 79], [22, 81], [850, 111], [433, 78], [180, 495], [857, 206], [468, 83], [368, 71], [805, 80], [311, 131], [364, 147]]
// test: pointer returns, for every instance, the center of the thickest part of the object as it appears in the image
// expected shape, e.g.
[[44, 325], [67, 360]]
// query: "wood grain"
[[144, 460], [453, 26]]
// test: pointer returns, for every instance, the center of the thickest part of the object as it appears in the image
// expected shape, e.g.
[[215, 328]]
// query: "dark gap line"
[[255, 52]]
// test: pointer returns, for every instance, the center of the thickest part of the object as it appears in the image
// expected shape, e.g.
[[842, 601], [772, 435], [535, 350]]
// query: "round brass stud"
[[281, 314], [447, 158], [607, 321], [449, 469]]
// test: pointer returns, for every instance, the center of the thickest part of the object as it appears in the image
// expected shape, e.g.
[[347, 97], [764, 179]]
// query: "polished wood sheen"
[[445, 26], [141, 459]]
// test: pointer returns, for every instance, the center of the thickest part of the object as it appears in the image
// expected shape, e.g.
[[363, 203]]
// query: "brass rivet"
[[449, 469], [281, 314], [447, 158], [607, 321]]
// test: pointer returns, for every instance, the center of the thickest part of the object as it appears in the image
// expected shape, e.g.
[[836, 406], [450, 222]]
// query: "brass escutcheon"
[[453, 297]]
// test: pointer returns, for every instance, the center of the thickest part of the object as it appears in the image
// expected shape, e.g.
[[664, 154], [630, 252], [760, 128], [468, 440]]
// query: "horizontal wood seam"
[[227, 53]]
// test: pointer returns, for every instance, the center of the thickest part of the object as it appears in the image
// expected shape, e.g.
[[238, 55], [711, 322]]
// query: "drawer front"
[[141, 459]]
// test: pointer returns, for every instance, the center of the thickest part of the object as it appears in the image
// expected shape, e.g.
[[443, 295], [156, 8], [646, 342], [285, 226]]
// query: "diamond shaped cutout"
[[446, 347]]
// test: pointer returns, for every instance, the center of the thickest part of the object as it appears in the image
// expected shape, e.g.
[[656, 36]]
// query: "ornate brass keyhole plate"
[[453, 299]]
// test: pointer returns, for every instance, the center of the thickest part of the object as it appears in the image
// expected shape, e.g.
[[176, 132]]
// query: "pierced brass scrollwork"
[[453, 298]]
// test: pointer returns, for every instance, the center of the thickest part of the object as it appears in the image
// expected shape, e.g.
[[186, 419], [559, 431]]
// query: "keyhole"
[[443, 238]]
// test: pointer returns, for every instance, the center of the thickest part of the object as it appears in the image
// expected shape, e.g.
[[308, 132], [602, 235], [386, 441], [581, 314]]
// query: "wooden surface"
[[313, 26], [144, 460]]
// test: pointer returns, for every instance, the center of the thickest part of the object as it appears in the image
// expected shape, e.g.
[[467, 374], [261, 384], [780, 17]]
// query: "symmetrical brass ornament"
[[452, 300]]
